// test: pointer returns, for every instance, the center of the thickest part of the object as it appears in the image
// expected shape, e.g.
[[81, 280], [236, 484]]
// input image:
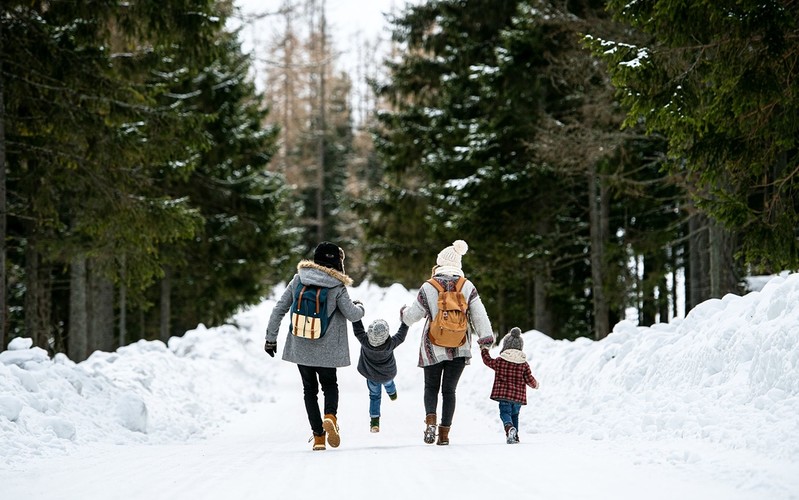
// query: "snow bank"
[[728, 374], [144, 392]]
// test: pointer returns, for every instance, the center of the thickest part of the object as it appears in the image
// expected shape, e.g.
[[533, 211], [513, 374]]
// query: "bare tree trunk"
[[166, 290], [699, 262], [722, 265], [648, 308], [3, 229], [77, 338], [501, 325], [674, 292], [543, 319], [288, 88], [663, 299], [123, 304], [320, 173], [101, 318], [597, 202], [37, 301], [541, 284]]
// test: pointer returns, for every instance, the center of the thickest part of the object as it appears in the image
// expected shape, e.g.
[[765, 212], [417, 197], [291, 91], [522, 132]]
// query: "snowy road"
[[264, 453]]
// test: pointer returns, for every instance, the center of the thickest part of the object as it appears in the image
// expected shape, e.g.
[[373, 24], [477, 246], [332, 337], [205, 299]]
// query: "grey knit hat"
[[513, 340], [377, 332]]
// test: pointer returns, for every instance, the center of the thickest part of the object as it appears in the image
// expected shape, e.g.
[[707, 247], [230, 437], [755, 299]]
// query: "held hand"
[[485, 342], [270, 348], [359, 303], [402, 311]]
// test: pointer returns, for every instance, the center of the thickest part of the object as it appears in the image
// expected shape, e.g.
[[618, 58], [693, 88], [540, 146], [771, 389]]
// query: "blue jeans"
[[509, 413], [375, 391]]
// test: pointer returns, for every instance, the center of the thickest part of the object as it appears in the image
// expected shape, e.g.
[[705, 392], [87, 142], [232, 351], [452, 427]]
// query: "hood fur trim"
[[309, 264]]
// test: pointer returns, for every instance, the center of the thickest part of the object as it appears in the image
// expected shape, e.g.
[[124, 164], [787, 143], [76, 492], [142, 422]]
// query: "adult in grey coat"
[[317, 359]]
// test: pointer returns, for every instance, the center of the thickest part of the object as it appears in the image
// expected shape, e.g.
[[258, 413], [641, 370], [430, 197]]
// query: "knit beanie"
[[450, 257], [329, 255], [377, 333], [513, 340]]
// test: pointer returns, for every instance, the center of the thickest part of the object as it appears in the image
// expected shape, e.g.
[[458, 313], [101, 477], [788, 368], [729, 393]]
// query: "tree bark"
[[37, 303], [699, 272], [101, 318], [3, 277], [320, 173], [166, 290], [598, 217], [123, 305], [77, 338]]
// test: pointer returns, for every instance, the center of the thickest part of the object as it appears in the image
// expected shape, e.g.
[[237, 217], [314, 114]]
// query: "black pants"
[[443, 376], [310, 389]]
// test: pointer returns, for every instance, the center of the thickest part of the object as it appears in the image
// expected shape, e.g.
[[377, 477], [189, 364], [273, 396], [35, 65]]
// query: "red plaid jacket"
[[510, 379]]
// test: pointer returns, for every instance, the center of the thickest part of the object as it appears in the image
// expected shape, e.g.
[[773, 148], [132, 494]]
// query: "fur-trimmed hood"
[[307, 270], [514, 356]]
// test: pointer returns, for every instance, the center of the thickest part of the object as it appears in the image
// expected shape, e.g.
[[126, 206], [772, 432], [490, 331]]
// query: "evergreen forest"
[[603, 159]]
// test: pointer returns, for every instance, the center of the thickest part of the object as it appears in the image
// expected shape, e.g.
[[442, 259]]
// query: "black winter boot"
[[511, 435]]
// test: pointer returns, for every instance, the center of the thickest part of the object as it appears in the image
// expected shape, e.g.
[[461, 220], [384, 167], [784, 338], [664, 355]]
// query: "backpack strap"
[[298, 300], [458, 285], [436, 284]]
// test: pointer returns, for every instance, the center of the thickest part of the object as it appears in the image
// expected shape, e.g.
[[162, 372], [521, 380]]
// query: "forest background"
[[602, 158]]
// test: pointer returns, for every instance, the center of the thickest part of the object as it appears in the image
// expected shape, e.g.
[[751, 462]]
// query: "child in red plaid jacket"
[[512, 375]]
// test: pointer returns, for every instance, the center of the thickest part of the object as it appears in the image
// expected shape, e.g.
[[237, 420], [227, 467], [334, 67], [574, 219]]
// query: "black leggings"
[[444, 376], [310, 389]]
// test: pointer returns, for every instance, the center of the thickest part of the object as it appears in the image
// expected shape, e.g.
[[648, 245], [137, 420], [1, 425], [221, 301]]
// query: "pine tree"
[[718, 80]]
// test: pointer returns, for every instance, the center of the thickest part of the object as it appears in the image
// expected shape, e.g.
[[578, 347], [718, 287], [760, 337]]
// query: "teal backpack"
[[309, 318]]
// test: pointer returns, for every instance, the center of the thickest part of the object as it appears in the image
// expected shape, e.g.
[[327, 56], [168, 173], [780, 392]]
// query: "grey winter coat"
[[332, 350], [426, 306], [377, 363]]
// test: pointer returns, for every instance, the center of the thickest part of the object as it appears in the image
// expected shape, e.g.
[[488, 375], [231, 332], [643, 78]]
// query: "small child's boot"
[[511, 435], [392, 396], [374, 424]]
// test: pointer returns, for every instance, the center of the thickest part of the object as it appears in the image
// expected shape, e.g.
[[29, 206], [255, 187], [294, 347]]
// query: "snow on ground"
[[702, 408]]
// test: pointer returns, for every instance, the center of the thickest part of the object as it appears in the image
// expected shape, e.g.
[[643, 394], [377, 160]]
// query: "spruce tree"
[[717, 79]]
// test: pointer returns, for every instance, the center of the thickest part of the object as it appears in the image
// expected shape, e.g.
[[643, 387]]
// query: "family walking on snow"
[[320, 308]]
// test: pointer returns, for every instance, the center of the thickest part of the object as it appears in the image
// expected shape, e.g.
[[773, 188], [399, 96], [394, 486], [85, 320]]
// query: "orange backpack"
[[448, 328]]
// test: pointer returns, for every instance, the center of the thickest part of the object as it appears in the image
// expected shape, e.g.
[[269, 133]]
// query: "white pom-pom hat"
[[450, 257]]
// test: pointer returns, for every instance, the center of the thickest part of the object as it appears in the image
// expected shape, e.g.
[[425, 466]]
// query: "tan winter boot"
[[331, 428], [430, 428], [318, 442], [443, 435]]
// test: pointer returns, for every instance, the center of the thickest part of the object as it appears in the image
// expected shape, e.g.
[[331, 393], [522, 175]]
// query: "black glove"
[[270, 348]]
